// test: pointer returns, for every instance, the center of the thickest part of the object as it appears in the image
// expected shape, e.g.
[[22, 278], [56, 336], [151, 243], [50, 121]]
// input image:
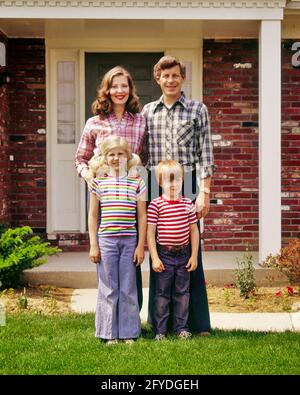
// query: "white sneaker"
[[160, 336], [128, 341], [184, 335], [112, 341]]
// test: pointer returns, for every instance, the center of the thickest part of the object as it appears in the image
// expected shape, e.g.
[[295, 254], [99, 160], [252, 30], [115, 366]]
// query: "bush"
[[244, 275], [20, 250], [287, 261]]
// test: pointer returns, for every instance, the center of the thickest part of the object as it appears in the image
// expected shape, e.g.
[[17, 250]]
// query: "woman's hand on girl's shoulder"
[[92, 184]]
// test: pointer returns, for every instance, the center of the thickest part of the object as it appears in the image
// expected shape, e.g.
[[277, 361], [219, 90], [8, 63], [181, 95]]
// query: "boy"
[[175, 255]]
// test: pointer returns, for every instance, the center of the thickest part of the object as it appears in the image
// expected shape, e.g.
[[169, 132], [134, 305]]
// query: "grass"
[[34, 344]]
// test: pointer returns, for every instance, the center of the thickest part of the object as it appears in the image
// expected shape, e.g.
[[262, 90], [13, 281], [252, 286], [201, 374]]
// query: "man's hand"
[[95, 254], [157, 265], [202, 204]]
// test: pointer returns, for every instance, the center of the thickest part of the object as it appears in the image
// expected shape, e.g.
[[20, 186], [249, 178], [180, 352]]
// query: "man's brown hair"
[[166, 62]]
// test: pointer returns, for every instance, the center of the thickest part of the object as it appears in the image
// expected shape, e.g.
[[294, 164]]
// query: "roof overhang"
[[139, 9]]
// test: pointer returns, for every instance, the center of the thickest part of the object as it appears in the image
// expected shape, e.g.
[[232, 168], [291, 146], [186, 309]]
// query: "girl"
[[121, 195]]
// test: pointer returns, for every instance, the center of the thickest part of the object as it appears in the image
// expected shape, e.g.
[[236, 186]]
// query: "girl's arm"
[[139, 253], [194, 236], [93, 228]]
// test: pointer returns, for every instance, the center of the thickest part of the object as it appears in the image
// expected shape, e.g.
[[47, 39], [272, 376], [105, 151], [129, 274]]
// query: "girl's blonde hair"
[[98, 163], [103, 105]]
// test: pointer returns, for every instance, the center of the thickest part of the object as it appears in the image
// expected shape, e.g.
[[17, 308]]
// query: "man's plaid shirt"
[[182, 133]]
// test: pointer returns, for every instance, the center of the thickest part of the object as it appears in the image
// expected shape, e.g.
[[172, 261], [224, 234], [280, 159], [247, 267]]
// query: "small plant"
[[244, 274], [226, 296], [287, 262], [19, 250], [283, 298], [250, 301], [23, 301]]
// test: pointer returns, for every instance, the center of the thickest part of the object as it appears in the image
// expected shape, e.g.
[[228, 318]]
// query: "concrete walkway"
[[84, 300]]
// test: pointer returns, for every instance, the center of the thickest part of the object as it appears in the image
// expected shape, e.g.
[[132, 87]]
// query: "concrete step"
[[74, 270]]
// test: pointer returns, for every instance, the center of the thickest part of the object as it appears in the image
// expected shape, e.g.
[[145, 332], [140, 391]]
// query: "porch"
[[74, 270]]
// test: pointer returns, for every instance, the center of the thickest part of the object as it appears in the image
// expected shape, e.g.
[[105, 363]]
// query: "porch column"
[[269, 138]]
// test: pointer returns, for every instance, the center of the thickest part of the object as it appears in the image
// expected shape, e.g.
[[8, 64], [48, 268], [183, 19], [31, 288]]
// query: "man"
[[179, 129]]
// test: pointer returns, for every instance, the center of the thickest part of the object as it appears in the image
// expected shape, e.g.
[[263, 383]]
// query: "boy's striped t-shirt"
[[173, 219], [118, 197]]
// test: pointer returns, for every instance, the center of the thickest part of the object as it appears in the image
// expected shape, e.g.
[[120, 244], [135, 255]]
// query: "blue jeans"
[[117, 311], [172, 288]]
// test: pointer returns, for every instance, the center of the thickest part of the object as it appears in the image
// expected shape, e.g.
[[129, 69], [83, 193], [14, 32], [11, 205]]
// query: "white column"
[[269, 138]]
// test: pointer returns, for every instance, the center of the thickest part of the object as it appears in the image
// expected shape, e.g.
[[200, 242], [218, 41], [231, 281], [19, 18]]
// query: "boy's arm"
[[157, 264], [194, 237], [93, 228], [139, 253]]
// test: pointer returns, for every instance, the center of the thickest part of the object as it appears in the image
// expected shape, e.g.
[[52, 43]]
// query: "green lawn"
[[39, 344]]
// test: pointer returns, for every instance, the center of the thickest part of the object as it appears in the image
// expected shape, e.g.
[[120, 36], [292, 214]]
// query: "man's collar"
[[181, 100]]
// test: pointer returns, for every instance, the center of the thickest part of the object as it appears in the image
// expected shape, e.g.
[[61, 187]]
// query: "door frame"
[[53, 54]]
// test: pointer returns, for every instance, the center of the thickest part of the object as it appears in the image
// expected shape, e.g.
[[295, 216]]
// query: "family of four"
[[172, 138]]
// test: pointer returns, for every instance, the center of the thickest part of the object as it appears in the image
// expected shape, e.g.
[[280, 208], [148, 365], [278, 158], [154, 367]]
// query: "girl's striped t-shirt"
[[173, 219], [118, 197]]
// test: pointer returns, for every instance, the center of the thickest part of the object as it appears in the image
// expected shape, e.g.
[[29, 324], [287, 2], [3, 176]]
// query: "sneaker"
[[112, 341], [128, 341], [184, 335], [160, 336]]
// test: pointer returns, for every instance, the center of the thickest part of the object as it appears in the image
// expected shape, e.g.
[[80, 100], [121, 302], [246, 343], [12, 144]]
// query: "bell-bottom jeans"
[[117, 310]]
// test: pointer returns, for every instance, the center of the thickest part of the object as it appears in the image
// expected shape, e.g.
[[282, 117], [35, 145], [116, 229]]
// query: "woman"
[[116, 112]]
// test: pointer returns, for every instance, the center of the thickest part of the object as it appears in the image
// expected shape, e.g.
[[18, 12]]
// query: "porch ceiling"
[[51, 28]]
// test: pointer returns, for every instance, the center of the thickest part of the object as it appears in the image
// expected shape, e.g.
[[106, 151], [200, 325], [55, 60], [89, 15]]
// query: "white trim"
[[145, 4], [172, 9], [82, 197], [269, 138]]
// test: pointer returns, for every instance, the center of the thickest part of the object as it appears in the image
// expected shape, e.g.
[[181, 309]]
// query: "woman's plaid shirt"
[[182, 133], [131, 126]]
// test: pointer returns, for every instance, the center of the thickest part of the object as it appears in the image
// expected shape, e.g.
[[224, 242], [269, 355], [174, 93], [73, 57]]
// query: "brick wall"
[[231, 94], [27, 128], [290, 145], [4, 156], [4, 149]]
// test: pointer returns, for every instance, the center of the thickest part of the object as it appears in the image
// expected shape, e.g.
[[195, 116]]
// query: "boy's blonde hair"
[[167, 164], [98, 164]]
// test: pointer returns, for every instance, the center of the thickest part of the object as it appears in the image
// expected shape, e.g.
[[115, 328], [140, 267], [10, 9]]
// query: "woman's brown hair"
[[103, 105]]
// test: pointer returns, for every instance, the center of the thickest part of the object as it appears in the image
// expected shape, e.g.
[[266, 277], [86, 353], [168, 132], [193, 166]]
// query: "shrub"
[[19, 250], [244, 274], [287, 261]]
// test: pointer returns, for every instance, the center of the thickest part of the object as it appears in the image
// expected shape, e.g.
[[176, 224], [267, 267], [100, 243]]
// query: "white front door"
[[63, 186]]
